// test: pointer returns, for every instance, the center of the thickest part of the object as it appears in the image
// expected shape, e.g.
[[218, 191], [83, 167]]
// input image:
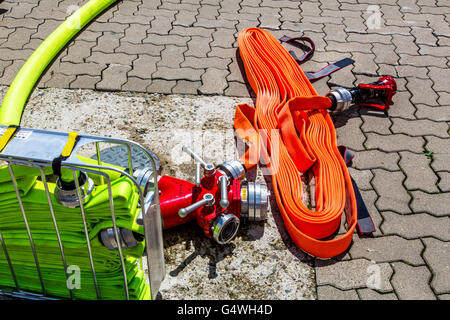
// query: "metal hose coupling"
[[254, 201], [341, 99], [127, 238], [67, 194], [224, 228]]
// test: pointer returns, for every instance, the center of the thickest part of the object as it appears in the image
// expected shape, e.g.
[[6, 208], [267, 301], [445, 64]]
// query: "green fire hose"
[[109, 274]]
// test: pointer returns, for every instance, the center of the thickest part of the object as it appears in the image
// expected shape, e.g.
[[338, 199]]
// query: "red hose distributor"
[[377, 95]]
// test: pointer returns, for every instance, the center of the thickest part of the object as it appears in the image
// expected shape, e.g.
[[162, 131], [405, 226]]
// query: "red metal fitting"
[[381, 90]]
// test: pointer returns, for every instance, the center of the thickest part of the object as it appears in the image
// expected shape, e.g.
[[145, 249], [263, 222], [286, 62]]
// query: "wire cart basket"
[[48, 231]]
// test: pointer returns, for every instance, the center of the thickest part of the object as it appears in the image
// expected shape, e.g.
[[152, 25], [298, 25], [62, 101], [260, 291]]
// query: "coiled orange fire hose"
[[292, 131]]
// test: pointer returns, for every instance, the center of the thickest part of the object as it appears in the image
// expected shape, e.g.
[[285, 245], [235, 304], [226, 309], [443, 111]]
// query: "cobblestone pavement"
[[189, 47]]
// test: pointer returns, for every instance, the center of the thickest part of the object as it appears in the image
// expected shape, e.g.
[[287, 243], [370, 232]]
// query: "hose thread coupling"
[[254, 201], [68, 197], [224, 228], [342, 99]]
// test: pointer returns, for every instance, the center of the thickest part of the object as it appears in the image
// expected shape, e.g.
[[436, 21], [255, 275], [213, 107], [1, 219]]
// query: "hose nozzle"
[[377, 95]]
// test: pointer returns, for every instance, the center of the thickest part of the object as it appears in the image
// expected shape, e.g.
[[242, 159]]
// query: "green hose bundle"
[[108, 268], [70, 224]]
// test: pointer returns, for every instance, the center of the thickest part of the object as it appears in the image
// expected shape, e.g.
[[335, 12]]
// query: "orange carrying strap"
[[291, 131]]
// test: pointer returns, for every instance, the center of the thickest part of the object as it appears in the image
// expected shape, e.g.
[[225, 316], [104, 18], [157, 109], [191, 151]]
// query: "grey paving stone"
[[191, 31], [111, 26], [422, 91], [18, 38], [402, 106], [209, 23], [113, 77], [375, 122], [435, 113], [435, 204], [135, 33], [440, 149], [59, 80], [412, 71], [418, 172], [111, 58], [344, 78], [213, 81], [444, 182], [198, 47], [331, 293], [369, 294], [133, 48], [385, 53], [387, 248], [206, 62], [424, 36], [422, 61], [85, 82], [166, 39], [11, 70], [393, 195], [108, 42], [144, 66], [208, 11], [441, 51], [185, 18], [361, 177], [415, 226], [444, 296], [329, 56], [232, 6], [411, 283], [187, 87], [371, 159], [353, 274], [289, 14], [190, 74], [419, 127], [394, 142], [161, 86], [223, 38], [350, 134], [79, 52], [269, 21], [237, 89], [348, 47], [369, 38], [136, 84], [440, 77], [172, 56], [444, 98], [3, 66], [161, 25]]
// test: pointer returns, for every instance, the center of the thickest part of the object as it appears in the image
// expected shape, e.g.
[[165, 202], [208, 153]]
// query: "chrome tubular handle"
[[208, 200], [209, 168], [198, 177], [194, 156], [223, 185]]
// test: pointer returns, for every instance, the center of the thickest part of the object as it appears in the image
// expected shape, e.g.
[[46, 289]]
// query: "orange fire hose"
[[292, 131]]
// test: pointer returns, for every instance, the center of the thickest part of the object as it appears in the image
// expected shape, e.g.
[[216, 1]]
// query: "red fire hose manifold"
[[218, 201]]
